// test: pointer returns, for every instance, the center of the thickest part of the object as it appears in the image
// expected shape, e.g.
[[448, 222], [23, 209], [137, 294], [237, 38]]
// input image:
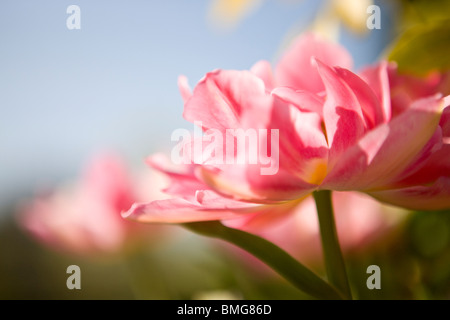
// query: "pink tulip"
[[85, 217], [380, 133]]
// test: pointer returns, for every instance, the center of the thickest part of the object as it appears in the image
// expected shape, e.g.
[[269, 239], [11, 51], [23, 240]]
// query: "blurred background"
[[111, 87]]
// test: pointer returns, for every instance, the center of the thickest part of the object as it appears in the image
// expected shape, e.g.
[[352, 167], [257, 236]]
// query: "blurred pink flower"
[[85, 218], [375, 133]]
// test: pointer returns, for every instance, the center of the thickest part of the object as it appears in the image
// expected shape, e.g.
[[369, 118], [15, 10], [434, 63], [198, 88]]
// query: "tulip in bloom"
[[376, 132], [84, 218]]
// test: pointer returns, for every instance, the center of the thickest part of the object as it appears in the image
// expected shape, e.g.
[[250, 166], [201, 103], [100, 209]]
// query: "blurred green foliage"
[[423, 48], [420, 11], [414, 261], [423, 44]]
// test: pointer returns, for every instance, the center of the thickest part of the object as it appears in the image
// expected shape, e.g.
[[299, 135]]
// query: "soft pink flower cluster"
[[376, 132], [84, 217]]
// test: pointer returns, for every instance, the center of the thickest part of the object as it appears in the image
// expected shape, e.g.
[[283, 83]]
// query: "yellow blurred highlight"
[[217, 295], [353, 13], [227, 14]]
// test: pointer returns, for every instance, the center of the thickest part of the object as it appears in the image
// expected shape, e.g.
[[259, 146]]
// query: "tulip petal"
[[445, 120], [303, 147], [266, 219], [208, 206], [221, 96], [298, 161], [343, 118], [434, 197], [437, 165], [406, 88], [410, 176], [304, 100], [295, 69], [183, 182], [245, 182], [368, 101], [263, 70], [378, 79], [185, 90], [386, 151]]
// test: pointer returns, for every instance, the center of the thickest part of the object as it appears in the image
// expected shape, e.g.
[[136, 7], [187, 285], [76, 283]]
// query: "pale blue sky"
[[113, 84]]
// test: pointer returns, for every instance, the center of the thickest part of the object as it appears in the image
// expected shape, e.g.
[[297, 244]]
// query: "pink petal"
[[378, 80], [76, 220], [344, 121], [300, 166], [184, 88], [436, 166], [295, 69], [386, 151], [368, 101], [303, 147], [434, 197], [220, 98], [263, 70], [106, 178], [406, 88], [422, 162], [183, 182], [445, 120], [161, 162], [266, 219], [207, 207], [304, 100], [245, 182]]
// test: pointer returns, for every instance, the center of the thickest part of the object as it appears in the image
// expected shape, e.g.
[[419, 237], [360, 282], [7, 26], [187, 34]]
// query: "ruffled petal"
[[303, 100], [207, 206], [436, 166], [385, 152], [263, 70], [343, 117], [378, 79], [245, 182], [295, 69], [303, 146], [431, 197], [182, 180], [368, 101], [221, 96]]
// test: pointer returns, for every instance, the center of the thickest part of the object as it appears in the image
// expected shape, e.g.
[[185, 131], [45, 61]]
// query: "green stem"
[[334, 260], [273, 256]]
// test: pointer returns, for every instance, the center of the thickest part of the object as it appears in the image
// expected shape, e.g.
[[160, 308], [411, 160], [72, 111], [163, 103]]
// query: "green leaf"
[[418, 11], [423, 48]]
